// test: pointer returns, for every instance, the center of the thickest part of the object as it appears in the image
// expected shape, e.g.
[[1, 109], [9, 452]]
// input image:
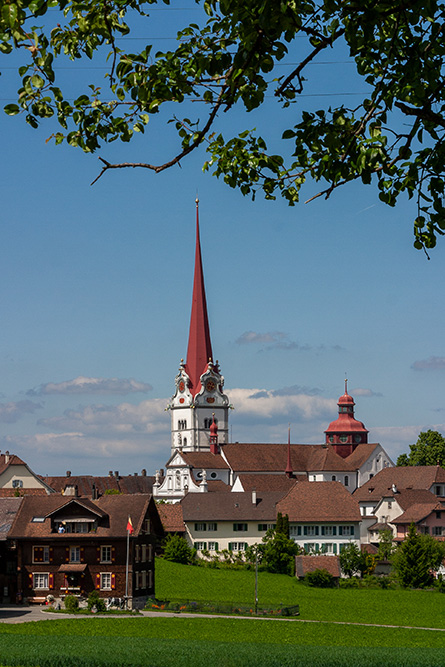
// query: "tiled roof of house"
[[230, 507], [7, 460], [408, 497], [11, 493], [117, 507], [171, 517], [277, 482], [404, 477], [245, 457], [207, 460], [8, 510], [319, 501], [418, 511], [125, 484], [305, 564]]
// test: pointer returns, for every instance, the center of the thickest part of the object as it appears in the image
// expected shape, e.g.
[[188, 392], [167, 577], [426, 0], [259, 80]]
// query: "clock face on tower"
[[210, 385]]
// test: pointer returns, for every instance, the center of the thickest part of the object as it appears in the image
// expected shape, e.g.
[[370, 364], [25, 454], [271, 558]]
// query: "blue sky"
[[95, 295]]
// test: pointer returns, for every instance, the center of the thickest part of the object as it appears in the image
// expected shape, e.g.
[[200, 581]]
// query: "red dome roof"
[[346, 399]]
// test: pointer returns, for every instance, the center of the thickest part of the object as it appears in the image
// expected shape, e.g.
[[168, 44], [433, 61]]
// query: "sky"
[[96, 282]]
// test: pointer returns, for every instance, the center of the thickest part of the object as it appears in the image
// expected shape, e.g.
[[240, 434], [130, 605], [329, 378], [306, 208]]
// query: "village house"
[[17, 478], [71, 545]]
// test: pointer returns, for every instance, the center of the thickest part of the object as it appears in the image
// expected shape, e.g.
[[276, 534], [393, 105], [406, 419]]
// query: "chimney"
[[135, 474], [254, 497], [68, 473], [110, 473], [116, 473], [6, 456], [94, 492], [144, 472]]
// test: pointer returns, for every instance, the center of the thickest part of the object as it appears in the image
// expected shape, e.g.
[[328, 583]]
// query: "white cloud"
[[102, 420], [396, 439], [430, 364], [12, 412], [361, 391], [265, 404], [88, 385]]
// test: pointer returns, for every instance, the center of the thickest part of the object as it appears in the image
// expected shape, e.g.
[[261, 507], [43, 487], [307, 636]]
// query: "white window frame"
[[105, 581], [39, 578]]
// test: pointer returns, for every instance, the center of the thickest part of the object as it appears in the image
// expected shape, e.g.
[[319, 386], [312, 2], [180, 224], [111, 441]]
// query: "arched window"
[[346, 480], [334, 479]]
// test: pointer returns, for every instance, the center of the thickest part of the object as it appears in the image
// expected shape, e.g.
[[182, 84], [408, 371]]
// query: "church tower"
[[346, 432], [199, 400]]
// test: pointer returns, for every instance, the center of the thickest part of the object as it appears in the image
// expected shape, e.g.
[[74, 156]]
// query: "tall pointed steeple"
[[199, 407], [199, 350]]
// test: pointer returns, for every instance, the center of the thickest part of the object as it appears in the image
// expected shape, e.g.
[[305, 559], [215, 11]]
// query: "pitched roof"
[[117, 507], [230, 507], [319, 501], [419, 511], [262, 483], [10, 493], [200, 460], [7, 460], [253, 457], [404, 477], [125, 484], [305, 564], [171, 517], [8, 510]]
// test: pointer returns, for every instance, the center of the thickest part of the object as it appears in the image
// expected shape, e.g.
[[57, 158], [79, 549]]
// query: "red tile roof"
[[171, 517], [8, 510], [319, 501], [125, 484], [418, 512], [7, 460], [404, 477], [246, 457], [276, 482], [117, 507], [230, 507], [204, 460], [305, 564]]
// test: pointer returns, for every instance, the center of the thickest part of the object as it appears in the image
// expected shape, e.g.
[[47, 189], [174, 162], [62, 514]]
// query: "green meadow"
[[237, 642]]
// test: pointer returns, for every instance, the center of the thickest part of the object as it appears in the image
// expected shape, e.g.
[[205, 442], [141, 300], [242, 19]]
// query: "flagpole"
[[126, 568]]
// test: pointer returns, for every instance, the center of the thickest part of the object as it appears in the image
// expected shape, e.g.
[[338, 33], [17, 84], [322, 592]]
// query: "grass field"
[[237, 642], [388, 607]]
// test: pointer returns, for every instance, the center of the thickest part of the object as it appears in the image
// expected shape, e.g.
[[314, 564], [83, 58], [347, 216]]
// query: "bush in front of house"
[[94, 600], [177, 550], [71, 603], [320, 578]]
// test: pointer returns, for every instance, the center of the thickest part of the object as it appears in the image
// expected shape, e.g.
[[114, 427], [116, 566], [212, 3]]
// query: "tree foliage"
[[417, 557], [354, 561], [177, 550], [429, 450], [386, 544], [243, 51]]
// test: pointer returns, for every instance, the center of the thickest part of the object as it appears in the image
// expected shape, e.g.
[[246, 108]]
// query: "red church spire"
[[199, 349]]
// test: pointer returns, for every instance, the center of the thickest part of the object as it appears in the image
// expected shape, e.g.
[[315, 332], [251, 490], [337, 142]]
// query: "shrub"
[[71, 603], [177, 550], [94, 600], [320, 578]]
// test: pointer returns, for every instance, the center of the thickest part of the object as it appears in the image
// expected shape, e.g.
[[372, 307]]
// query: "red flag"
[[130, 528]]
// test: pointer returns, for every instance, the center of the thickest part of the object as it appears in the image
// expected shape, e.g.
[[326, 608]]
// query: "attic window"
[[37, 519], [17, 483]]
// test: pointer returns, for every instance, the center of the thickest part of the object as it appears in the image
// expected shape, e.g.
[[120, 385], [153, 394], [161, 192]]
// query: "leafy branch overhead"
[[242, 51]]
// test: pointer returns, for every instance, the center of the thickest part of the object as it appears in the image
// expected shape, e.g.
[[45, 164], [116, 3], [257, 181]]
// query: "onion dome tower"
[[199, 400], [346, 432]]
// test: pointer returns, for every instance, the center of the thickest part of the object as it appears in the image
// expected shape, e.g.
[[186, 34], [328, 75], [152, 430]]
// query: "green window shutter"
[[352, 530], [204, 546], [299, 530], [322, 530], [245, 545], [195, 545], [340, 530], [334, 530], [305, 547], [305, 530], [316, 530], [216, 546], [230, 546], [335, 548], [317, 547]]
